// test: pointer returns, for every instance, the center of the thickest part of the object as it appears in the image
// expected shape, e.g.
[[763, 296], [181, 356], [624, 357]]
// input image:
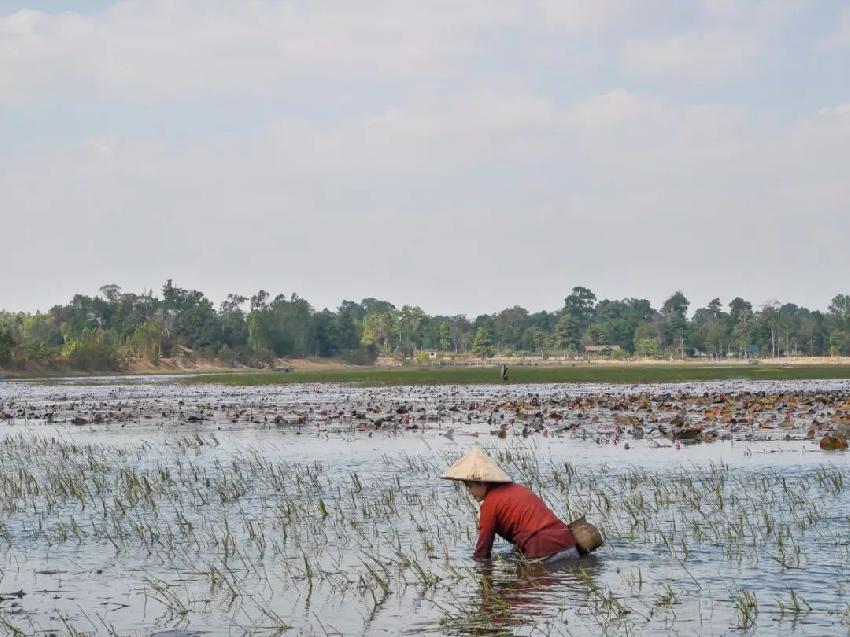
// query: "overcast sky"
[[461, 156]]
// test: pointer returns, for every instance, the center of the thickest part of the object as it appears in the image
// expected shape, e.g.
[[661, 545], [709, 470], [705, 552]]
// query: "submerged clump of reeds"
[[205, 535]]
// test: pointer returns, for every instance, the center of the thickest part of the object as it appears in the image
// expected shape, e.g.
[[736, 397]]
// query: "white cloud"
[[643, 144], [469, 177], [580, 15], [697, 55], [614, 109], [638, 139], [839, 37], [161, 49], [722, 7], [840, 113], [754, 9], [432, 132], [426, 137]]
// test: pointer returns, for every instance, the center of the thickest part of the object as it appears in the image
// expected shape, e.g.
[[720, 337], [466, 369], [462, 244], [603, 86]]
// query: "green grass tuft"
[[622, 374]]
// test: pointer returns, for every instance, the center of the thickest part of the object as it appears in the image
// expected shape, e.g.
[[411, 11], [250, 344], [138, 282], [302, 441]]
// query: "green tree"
[[259, 322], [292, 326], [509, 325], [740, 324], [709, 329], [580, 306], [482, 344], [411, 321], [445, 333], [461, 333], [593, 335], [95, 332], [839, 319], [739, 309], [839, 306], [376, 306], [94, 350], [616, 321], [286, 326], [839, 343], [646, 347], [188, 318], [347, 328], [742, 332], [771, 318], [646, 340], [565, 337], [233, 323], [327, 338], [111, 292], [675, 311], [7, 345], [379, 329], [543, 321], [147, 341], [534, 340], [813, 333]]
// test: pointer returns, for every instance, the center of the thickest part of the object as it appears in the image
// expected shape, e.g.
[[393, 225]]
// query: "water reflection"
[[514, 594]]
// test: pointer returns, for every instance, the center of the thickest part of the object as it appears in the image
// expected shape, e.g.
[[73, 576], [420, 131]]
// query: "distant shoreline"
[[521, 370]]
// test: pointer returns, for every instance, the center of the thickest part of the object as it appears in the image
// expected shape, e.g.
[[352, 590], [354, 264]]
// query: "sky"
[[460, 156]]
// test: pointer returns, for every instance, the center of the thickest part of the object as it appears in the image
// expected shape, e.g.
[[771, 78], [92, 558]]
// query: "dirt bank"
[[193, 364], [180, 365]]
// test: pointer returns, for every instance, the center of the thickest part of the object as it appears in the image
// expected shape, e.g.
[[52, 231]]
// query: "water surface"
[[317, 509]]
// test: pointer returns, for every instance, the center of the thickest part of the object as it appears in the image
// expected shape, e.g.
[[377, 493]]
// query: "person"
[[511, 511]]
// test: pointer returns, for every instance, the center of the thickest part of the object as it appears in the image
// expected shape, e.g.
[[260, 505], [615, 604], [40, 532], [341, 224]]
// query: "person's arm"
[[486, 532]]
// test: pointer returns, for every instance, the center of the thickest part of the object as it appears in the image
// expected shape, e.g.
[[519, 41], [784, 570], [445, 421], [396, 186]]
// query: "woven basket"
[[588, 537]]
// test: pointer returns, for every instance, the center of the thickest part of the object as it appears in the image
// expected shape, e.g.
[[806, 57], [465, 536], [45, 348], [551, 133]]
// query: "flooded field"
[[143, 506]]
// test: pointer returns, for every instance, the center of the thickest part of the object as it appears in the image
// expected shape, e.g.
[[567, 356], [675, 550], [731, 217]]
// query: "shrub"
[[92, 352], [363, 355]]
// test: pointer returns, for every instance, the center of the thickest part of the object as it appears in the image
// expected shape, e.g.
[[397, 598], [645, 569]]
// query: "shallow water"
[[208, 517]]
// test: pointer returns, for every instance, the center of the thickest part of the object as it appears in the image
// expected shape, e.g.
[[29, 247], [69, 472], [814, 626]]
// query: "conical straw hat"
[[476, 466]]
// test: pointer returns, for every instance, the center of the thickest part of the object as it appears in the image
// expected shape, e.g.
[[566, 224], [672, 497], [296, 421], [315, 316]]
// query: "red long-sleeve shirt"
[[523, 519]]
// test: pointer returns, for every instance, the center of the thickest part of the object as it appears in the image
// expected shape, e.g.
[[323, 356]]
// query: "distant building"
[[601, 350]]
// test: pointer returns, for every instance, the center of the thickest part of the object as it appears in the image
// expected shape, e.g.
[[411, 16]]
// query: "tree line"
[[102, 332]]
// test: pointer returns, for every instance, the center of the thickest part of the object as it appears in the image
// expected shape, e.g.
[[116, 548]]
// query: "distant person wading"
[[518, 515]]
